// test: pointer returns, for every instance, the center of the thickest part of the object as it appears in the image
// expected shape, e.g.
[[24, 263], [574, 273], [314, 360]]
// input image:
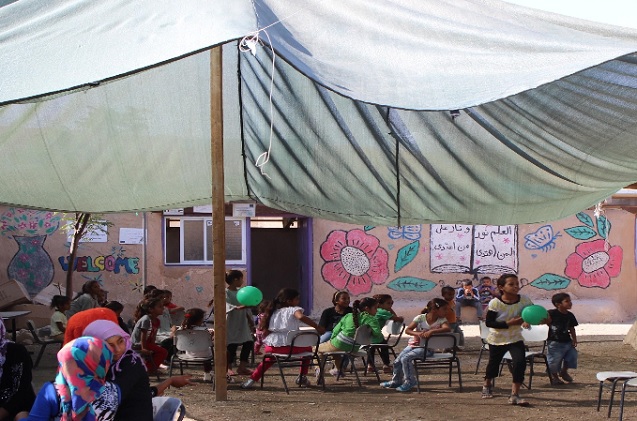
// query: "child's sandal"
[[487, 392]]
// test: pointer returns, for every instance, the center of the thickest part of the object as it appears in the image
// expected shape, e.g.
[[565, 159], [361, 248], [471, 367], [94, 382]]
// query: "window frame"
[[207, 222]]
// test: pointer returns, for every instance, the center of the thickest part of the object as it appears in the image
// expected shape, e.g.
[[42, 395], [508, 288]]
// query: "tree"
[[82, 226]]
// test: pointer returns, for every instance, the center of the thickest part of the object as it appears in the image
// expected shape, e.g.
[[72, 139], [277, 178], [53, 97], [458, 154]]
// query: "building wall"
[[412, 263], [409, 263]]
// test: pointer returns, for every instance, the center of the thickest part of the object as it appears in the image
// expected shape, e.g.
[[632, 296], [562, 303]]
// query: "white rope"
[[249, 43]]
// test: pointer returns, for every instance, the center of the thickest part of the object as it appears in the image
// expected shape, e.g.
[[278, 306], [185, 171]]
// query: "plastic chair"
[[484, 332], [535, 342], [393, 332], [627, 383], [296, 338], [39, 341], [191, 341], [363, 336], [614, 377], [442, 341], [168, 409]]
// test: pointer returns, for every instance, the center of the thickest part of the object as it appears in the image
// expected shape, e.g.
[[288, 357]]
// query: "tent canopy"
[[345, 111]]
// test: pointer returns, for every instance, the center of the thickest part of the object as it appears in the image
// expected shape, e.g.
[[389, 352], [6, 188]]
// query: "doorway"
[[280, 250]]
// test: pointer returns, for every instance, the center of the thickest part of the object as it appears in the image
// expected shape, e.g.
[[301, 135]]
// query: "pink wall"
[[413, 262]]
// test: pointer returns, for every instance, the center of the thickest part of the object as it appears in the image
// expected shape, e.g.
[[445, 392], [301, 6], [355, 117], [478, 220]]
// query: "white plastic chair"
[[363, 336], [296, 338], [614, 377], [535, 342], [191, 341], [168, 409], [393, 332], [628, 383], [447, 359], [484, 332]]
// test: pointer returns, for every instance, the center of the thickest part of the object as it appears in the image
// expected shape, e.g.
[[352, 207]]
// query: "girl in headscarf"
[[16, 392], [128, 372], [83, 364]]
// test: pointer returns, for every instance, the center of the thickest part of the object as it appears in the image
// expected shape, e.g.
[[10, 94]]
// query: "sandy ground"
[[600, 349]]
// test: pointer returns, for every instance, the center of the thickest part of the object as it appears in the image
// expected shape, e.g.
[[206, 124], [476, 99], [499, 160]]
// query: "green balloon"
[[534, 314], [249, 296]]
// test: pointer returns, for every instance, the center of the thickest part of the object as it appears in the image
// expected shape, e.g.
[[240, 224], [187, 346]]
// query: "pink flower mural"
[[593, 265], [354, 261]]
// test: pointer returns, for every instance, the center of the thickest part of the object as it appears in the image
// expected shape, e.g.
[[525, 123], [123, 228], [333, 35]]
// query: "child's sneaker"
[[517, 400], [389, 385], [207, 377], [566, 377], [487, 392], [334, 372], [247, 384], [405, 387]]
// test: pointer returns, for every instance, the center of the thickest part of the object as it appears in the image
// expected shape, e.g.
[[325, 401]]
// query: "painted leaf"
[[551, 281], [584, 218], [406, 254], [603, 226], [581, 232], [408, 283], [368, 228]]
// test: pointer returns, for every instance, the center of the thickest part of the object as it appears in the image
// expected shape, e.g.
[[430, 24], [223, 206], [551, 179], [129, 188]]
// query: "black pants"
[[246, 348], [496, 352], [383, 352]]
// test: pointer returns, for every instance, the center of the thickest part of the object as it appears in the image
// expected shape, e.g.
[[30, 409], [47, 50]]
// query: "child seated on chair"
[[363, 313], [258, 331], [283, 316], [468, 295], [16, 391], [145, 331], [59, 304], [487, 291], [194, 319], [562, 341], [383, 315], [448, 294], [430, 321]]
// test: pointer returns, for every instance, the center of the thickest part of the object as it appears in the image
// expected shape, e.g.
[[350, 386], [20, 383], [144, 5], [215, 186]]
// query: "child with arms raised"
[[505, 323], [431, 321], [282, 316], [561, 342]]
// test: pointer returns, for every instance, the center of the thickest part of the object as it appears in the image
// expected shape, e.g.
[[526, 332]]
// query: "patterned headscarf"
[[83, 364], [3, 346], [104, 329]]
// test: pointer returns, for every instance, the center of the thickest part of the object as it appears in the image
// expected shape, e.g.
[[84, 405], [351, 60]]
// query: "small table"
[[12, 315]]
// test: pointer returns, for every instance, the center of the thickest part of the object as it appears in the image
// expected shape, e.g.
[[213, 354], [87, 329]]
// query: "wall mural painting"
[[595, 262], [547, 282], [458, 248], [136, 285], [543, 239], [354, 261], [31, 265]]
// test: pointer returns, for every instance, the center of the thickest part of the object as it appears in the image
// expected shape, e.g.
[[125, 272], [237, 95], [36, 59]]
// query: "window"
[[188, 240]]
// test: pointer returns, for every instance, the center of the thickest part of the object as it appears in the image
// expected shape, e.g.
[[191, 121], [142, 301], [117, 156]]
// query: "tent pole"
[[218, 223]]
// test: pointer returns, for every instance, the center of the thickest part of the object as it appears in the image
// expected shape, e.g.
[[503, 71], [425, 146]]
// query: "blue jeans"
[[561, 355], [404, 371]]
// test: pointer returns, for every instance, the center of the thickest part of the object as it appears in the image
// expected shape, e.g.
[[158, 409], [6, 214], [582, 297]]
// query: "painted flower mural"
[[593, 265], [354, 261]]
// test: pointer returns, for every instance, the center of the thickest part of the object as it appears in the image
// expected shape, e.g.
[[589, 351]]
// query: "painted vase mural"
[[31, 266]]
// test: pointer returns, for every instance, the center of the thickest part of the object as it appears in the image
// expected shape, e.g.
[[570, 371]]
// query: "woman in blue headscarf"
[[83, 364]]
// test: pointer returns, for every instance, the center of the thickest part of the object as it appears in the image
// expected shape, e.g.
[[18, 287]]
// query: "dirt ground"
[[344, 400]]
